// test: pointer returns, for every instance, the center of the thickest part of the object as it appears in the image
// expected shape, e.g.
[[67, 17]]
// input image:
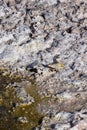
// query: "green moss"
[[31, 114], [9, 114]]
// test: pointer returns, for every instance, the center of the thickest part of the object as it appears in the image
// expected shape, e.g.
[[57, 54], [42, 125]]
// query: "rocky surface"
[[46, 41]]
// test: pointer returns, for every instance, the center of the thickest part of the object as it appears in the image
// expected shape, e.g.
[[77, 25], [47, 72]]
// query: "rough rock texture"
[[47, 40]]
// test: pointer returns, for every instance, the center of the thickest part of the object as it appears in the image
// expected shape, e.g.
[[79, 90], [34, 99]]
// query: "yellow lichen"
[[57, 66]]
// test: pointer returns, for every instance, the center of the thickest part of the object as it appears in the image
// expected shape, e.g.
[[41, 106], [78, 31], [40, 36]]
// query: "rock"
[[46, 41], [24, 97], [22, 93], [63, 117], [49, 2], [62, 127], [23, 120], [81, 125], [12, 2]]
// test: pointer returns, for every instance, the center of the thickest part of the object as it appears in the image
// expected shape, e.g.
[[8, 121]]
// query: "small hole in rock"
[[69, 30], [52, 126]]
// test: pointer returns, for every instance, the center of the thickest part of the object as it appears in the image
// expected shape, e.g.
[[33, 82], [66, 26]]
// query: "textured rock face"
[[47, 40]]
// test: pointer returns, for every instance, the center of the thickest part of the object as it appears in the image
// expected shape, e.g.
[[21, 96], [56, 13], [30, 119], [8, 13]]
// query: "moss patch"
[[9, 114]]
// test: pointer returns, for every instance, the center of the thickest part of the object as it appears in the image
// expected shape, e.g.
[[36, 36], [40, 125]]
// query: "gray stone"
[[23, 120], [47, 41], [24, 97]]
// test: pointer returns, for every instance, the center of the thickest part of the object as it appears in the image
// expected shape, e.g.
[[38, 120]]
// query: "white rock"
[[62, 127]]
